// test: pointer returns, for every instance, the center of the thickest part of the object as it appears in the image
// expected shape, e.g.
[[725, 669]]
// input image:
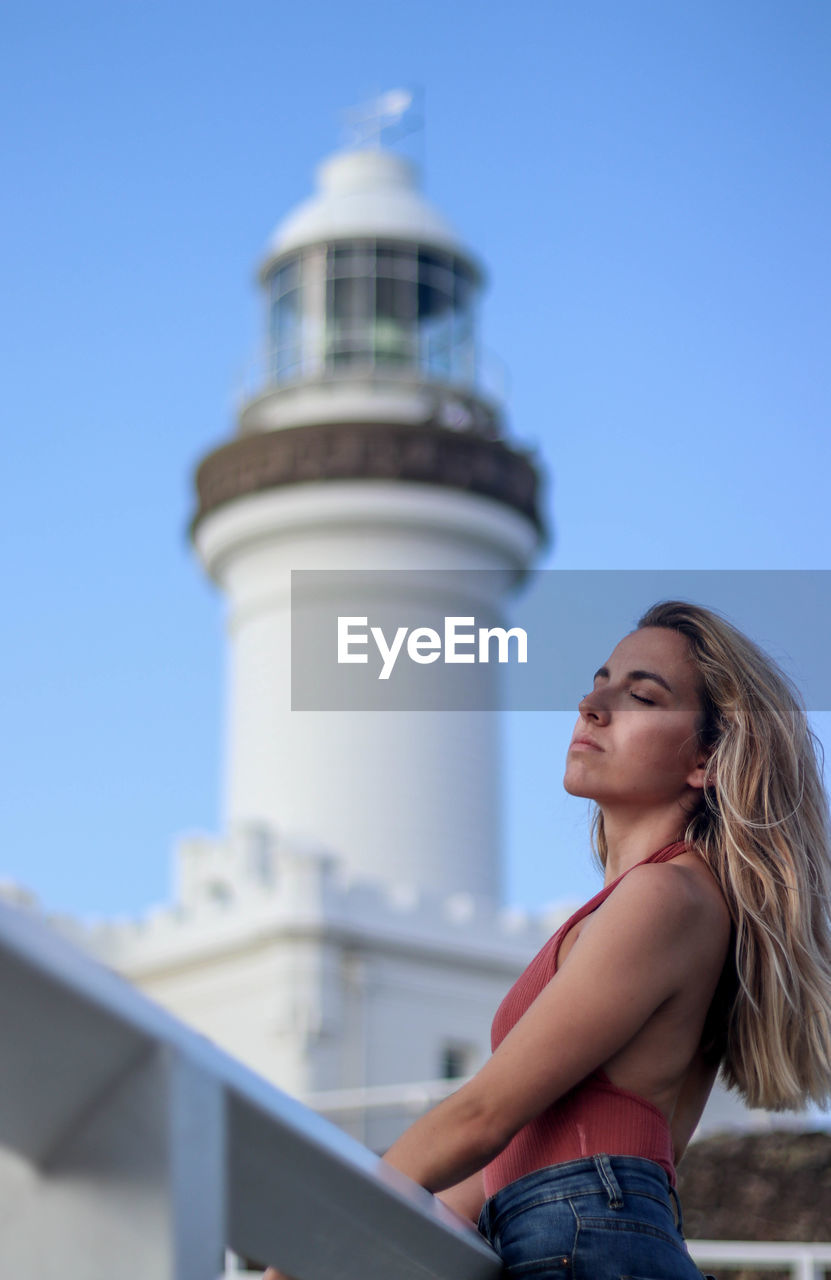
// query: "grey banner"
[[409, 640]]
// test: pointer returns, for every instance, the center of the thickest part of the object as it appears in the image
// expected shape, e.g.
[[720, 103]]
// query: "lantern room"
[[367, 304], [371, 307]]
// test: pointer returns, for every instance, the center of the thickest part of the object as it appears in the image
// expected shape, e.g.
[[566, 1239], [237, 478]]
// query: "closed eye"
[[639, 698]]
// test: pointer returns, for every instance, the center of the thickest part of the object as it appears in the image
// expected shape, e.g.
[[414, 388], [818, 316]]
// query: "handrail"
[[130, 1145], [414, 1097]]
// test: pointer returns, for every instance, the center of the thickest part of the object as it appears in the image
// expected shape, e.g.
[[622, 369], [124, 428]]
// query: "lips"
[[586, 744]]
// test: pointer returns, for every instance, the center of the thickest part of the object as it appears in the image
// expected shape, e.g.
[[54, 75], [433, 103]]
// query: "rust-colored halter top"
[[593, 1117]]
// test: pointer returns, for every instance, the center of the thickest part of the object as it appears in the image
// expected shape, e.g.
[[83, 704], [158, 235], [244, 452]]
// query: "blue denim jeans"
[[601, 1218]]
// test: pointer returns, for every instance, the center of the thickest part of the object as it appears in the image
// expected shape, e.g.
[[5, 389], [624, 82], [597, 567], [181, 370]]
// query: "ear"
[[697, 777]]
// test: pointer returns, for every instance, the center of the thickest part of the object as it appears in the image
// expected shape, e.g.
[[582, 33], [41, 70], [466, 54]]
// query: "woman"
[[708, 946]]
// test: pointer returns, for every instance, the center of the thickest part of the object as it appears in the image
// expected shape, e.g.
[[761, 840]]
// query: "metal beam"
[[131, 1145]]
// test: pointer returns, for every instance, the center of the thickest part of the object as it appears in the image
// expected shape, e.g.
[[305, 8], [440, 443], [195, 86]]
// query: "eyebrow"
[[636, 675]]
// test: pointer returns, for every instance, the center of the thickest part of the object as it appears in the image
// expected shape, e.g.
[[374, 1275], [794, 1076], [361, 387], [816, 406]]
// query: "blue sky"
[[650, 188]]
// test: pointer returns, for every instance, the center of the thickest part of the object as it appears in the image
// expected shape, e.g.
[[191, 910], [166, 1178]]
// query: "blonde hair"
[[762, 827]]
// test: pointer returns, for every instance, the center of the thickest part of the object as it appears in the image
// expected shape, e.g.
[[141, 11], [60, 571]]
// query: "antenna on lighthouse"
[[367, 123]]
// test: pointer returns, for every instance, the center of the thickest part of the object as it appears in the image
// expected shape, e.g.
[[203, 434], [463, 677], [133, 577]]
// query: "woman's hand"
[[465, 1199]]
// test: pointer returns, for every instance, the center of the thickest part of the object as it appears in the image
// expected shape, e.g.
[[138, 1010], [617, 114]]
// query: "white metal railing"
[[131, 1146], [414, 1097], [488, 377], [804, 1261]]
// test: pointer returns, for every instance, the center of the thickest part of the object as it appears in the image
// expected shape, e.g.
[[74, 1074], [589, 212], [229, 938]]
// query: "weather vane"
[[367, 122]]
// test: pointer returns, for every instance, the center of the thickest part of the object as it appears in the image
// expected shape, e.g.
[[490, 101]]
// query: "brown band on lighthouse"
[[423, 454]]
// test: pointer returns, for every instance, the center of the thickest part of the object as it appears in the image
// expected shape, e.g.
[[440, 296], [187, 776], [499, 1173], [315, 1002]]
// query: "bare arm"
[[631, 956]]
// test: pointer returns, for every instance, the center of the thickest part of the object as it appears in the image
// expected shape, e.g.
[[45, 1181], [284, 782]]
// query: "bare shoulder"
[[668, 897], [704, 893]]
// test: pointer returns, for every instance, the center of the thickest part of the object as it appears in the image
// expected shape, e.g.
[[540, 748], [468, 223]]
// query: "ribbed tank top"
[[593, 1117]]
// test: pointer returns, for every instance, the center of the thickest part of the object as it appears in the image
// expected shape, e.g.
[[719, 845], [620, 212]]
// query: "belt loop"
[[679, 1217], [603, 1165]]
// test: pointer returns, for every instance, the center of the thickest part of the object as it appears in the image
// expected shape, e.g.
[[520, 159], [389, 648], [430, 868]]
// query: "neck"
[[629, 841]]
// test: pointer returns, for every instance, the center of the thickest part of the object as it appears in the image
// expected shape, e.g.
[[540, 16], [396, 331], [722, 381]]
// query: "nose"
[[592, 707]]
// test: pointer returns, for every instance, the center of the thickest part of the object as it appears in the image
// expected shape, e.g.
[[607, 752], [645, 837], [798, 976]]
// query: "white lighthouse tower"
[[367, 447], [345, 934]]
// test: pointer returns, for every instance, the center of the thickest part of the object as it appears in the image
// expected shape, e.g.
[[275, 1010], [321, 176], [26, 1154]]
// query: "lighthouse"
[[344, 934], [366, 444]]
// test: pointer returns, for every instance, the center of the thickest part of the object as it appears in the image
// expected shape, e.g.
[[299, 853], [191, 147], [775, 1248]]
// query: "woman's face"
[[636, 741]]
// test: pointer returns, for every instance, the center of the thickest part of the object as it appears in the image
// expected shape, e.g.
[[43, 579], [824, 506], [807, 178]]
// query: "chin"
[[575, 788]]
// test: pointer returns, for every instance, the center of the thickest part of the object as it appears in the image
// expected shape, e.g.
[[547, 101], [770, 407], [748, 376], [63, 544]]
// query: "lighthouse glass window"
[[372, 305], [285, 321]]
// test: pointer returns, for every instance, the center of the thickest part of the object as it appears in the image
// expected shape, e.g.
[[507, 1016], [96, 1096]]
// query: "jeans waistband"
[[611, 1175]]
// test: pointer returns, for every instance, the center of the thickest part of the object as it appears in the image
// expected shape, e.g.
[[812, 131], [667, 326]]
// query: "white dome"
[[365, 193]]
